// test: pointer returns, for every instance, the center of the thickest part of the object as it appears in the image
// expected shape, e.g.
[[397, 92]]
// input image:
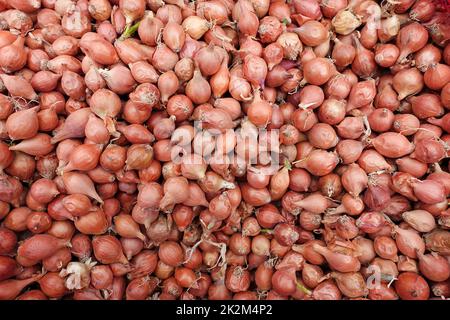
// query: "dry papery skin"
[[223, 149]]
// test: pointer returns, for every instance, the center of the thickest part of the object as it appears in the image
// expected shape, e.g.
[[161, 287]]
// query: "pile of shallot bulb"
[[224, 149]]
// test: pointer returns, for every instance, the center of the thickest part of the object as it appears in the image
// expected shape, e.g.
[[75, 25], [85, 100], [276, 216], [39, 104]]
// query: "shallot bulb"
[[410, 39], [107, 250], [407, 82], [23, 124], [80, 183], [338, 261], [13, 57]]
